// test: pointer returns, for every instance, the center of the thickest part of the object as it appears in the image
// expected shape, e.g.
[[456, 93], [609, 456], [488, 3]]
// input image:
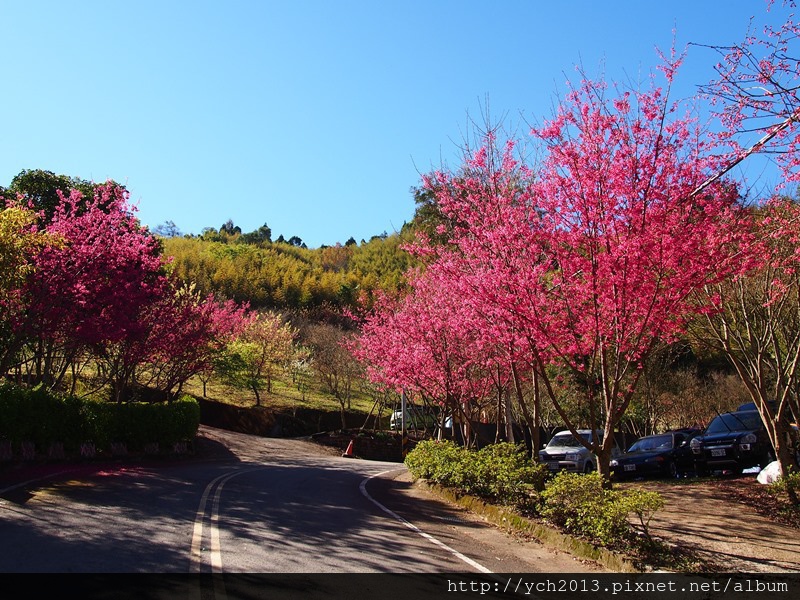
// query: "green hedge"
[[500, 472], [35, 415], [575, 503]]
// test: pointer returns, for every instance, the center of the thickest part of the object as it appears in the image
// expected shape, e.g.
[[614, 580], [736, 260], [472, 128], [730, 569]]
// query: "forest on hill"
[[284, 276]]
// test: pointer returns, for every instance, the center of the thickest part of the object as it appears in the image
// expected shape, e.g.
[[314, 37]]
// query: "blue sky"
[[314, 117]]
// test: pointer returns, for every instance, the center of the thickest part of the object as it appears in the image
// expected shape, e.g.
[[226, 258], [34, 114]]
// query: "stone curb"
[[507, 519]]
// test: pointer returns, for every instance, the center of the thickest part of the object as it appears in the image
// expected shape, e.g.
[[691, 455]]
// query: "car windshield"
[[742, 421], [567, 441], [649, 444]]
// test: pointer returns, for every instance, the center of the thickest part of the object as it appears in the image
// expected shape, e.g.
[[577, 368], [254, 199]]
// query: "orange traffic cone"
[[349, 452]]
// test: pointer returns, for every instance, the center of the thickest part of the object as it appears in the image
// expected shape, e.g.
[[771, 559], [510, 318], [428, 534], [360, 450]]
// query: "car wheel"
[[588, 467], [672, 469]]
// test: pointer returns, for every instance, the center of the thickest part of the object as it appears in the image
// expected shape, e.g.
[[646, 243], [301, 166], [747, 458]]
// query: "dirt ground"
[[733, 524]]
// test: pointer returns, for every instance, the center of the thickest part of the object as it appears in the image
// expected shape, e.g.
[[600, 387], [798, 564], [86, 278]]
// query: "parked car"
[[663, 455], [792, 435], [733, 441], [565, 452]]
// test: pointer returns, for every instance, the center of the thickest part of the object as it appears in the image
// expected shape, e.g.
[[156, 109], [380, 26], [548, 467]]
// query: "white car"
[[416, 418], [566, 453]]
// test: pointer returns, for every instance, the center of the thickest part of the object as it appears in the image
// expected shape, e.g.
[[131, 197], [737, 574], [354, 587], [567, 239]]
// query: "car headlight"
[[695, 445], [614, 462], [573, 456], [750, 438]]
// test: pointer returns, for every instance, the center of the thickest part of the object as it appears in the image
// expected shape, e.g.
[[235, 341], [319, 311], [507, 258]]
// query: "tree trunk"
[[509, 417], [785, 460], [500, 412], [537, 415], [604, 462], [530, 420]]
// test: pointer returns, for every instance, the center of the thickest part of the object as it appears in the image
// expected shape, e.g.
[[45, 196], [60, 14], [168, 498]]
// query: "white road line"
[[216, 553], [415, 529]]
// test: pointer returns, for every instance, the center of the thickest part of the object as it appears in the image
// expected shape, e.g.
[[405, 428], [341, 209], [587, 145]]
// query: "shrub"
[[788, 485], [499, 472], [437, 461], [505, 473], [643, 505], [580, 504], [42, 417]]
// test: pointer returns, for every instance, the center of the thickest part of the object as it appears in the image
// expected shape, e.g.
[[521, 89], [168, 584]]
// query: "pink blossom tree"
[[185, 333], [596, 259], [756, 96], [756, 93], [425, 343], [94, 284], [91, 290]]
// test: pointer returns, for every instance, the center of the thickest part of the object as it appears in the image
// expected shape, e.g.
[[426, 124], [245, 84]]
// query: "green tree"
[[262, 235], [264, 348], [229, 229], [41, 188]]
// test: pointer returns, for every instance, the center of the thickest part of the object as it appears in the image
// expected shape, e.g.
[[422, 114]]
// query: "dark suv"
[[733, 441]]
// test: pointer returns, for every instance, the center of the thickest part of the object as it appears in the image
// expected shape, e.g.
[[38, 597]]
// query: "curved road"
[[248, 504]]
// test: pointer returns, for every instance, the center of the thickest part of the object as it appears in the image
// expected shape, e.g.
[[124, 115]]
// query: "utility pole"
[[403, 435]]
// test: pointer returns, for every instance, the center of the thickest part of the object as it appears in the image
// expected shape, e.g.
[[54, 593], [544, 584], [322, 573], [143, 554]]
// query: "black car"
[[663, 455], [733, 441]]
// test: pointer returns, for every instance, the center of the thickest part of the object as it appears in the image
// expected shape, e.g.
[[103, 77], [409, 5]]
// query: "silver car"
[[564, 452]]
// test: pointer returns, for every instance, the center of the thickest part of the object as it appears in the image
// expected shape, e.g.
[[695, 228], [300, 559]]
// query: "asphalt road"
[[248, 504]]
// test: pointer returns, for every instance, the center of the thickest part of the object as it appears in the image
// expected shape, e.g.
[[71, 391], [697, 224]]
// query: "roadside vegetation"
[[43, 424], [576, 504]]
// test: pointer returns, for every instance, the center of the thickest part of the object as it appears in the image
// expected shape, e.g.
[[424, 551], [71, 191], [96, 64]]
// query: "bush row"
[[43, 418], [498, 472], [576, 503]]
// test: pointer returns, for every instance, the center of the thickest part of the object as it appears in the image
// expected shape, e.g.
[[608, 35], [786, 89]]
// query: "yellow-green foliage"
[[18, 242], [580, 504], [282, 275]]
